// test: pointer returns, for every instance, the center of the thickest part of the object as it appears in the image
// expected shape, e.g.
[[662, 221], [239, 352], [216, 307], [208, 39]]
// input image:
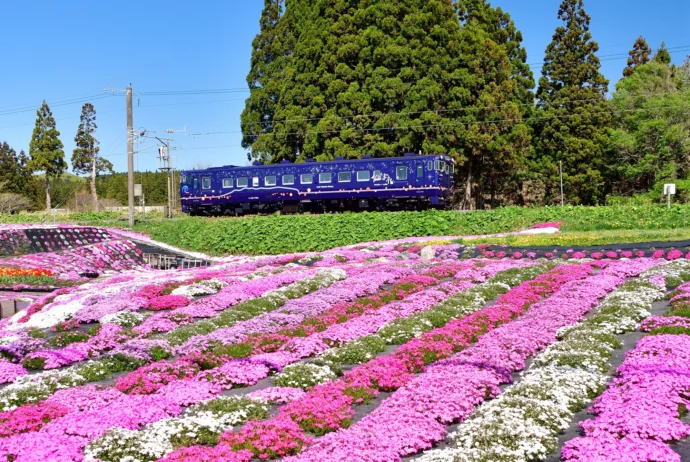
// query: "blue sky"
[[72, 49]]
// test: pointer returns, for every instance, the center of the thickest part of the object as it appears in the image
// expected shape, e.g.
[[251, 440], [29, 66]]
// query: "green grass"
[[275, 234]]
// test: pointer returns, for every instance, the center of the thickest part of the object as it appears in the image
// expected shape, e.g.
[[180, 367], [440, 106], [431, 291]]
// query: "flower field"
[[383, 351]]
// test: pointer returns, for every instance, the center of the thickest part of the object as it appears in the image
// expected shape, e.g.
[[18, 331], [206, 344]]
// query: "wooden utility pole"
[[130, 157]]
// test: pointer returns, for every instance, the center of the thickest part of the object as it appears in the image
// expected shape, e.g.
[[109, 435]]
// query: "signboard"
[[669, 189], [137, 190]]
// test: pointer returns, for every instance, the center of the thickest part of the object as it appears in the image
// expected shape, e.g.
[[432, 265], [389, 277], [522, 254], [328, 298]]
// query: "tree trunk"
[[94, 195], [467, 200], [48, 204]]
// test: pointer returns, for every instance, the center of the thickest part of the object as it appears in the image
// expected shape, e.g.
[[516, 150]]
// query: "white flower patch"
[[304, 375], [201, 288], [123, 318], [36, 387], [48, 317]]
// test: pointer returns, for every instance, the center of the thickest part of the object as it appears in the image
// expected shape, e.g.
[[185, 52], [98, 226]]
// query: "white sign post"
[[669, 189]]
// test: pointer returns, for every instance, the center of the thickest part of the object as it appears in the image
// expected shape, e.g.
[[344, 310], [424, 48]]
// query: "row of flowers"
[[486, 251], [14, 272], [523, 423], [135, 444]]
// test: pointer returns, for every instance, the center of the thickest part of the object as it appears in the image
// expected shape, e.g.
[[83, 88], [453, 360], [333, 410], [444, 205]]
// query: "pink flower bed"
[[638, 415]]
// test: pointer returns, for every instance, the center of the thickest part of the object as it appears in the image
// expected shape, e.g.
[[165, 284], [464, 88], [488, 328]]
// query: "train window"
[[447, 168], [430, 165], [325, 177], [270, 180], [452, 168], [401, 173], [183, 179], [306, 178], [255, 181], [364, 175], [206, 182], [377, 175], [436, 165], [344, 177], [443, 167], [242, 182], [227, 182], [288, 179], [420, 171], [196, 183]]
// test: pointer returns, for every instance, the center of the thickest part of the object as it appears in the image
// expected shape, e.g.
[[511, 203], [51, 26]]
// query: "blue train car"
[[412, 182]]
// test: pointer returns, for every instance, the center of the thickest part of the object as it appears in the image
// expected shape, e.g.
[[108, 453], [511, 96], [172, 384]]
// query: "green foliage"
[[34, 281], [14, 173], [278, 234], [649, 144], [638, 55], [154, 185], [672, 330], [65, 338], [574, 113], [45, 149]]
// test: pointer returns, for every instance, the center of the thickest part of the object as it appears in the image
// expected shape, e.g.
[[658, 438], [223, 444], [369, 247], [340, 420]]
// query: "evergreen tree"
[[638, 55], [662, 54], [45, 149], [496, 139], [85, 158], [270, 48], [14, 173], [576, 116], [365, 77]]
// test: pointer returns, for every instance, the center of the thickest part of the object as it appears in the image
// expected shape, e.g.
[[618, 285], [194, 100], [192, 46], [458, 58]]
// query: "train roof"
[[311, 160]]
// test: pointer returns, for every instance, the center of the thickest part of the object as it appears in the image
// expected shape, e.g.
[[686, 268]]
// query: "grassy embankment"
[[297, 233]]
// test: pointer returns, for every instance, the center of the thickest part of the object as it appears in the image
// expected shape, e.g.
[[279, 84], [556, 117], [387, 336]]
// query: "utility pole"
[[130, 157], [130, 150], [562, 200]]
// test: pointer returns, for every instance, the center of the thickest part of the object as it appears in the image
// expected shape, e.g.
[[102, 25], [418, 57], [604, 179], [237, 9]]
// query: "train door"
[[419, 175]]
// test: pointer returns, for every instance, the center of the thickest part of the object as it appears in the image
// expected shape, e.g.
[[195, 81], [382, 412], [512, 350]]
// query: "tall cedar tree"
[[380, 78], [85, 158], [45, 149], [270, 48], [638, 55], [662, 54], [576, 116], [650, 143], [496, 138], [14, 173]]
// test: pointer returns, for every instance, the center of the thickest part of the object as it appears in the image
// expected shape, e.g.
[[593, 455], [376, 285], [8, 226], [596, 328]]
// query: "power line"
[[56, 104]]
